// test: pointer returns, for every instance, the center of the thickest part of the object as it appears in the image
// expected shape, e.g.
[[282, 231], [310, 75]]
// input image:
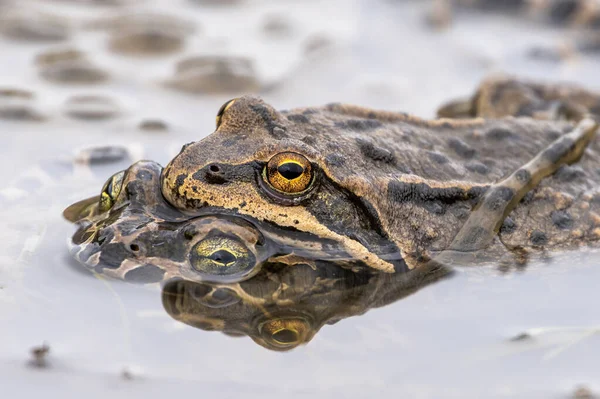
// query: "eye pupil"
[[222, 256], [290, 170]]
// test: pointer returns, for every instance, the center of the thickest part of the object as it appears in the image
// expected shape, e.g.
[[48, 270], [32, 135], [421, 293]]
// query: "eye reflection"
[[222, 256]]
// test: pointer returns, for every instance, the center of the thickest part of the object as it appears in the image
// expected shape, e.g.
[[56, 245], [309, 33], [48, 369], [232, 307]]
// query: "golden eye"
[[222, 258], [289, 173], [223, 109], [285, 333], [110, 191]]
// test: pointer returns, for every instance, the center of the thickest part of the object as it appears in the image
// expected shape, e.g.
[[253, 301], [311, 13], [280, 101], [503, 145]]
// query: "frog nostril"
[[134, 247], [215, 174]]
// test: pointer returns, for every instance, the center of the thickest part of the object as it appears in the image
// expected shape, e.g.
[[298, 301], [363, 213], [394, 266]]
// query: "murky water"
[[454, 338]]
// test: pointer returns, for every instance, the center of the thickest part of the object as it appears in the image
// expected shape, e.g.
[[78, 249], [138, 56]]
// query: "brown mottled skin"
[[283, 307], [387, 183], [564, 210]]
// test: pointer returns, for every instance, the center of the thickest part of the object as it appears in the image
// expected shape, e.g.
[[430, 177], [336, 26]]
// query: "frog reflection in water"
[[283, 307], [497, 188]]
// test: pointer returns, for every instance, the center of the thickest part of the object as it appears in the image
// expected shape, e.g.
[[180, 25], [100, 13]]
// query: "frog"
[[582, 16], [501, 95], [480, 190], [129, 232], [581, 13], [282, 308]]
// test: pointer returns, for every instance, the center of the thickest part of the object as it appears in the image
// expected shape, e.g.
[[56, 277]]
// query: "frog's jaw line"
[[266, 213]]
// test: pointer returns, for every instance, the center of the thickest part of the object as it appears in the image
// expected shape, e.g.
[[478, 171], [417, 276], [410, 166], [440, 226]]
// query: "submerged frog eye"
[[223, 109], [110, 191], [285, 333], [222, 258], [289, 173]]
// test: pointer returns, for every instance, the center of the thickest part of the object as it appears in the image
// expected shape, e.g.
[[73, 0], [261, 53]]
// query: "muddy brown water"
[[105, 338]]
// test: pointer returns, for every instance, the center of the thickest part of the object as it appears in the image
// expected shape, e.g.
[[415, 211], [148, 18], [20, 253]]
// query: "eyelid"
[[222, 111]]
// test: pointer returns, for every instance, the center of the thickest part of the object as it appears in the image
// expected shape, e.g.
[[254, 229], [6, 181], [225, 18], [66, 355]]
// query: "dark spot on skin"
[[461, 212], [359, 125], [435, 207], [569, 173], [562, 219], [298, 118], [189, 233], [477, 167], [279, 132], [145, 274], [523, 175], [538, 238], [231, 141], [310, 140], [437, 157], [508, 226], [553, 134], [335, 160], [309, 112], [112, 256], [559, 150], [499, 133], [273, 129], [477, 191], [371, 115], [370, 150], [243, 204], [144, 175], [528, 198], [195, 189], [461, 148], [432, 199], [179, 181], [498, 197]]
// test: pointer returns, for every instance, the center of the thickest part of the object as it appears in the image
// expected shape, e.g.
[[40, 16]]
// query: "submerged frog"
[[130, 232], [370, 179], [284, 307]]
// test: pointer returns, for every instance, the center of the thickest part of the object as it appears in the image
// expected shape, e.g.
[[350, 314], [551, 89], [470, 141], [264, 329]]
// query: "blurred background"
[[89, 86]]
